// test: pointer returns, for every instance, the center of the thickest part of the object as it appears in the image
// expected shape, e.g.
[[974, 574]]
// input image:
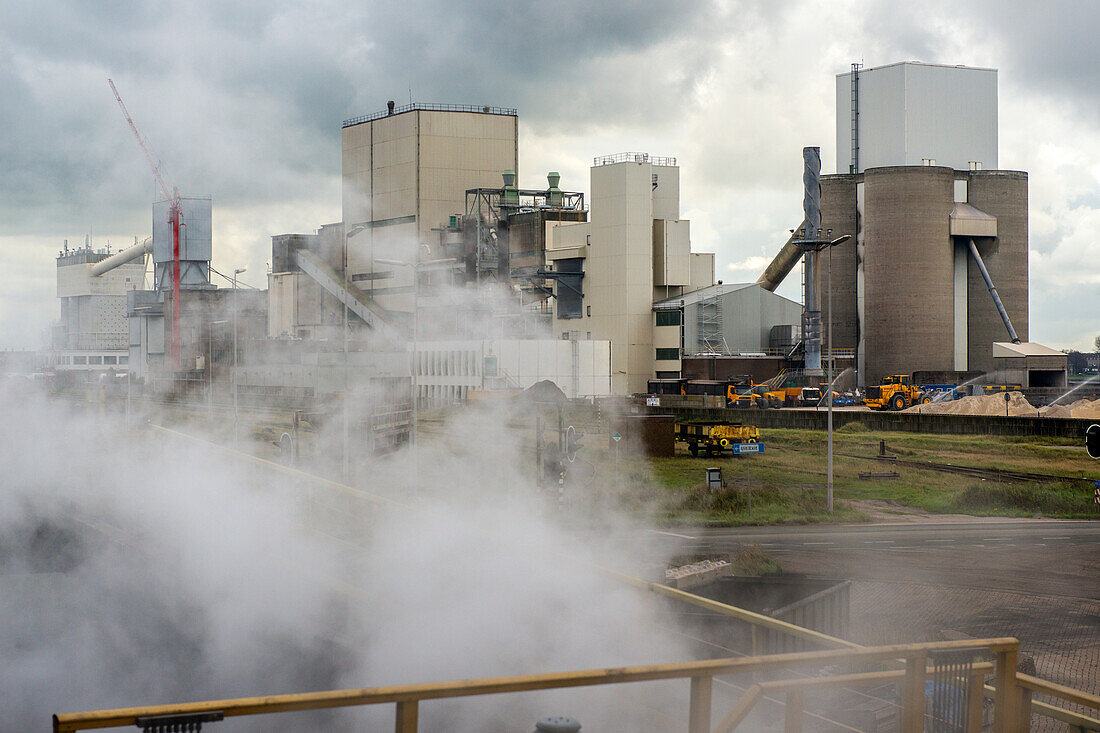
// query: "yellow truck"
[[895, 393], [714, 437]]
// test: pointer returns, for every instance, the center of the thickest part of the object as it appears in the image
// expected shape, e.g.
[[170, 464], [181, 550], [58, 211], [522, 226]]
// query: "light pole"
[[236, 416], [829, 381]]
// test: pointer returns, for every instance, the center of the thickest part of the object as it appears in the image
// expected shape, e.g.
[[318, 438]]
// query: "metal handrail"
[[431, 107], [632, 158], [701, 674]]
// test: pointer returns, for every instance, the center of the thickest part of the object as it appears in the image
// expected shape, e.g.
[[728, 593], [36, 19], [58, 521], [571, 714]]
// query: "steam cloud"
[[138, 569]]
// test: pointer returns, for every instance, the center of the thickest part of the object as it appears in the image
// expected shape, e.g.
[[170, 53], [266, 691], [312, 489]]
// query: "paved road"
[[1050, 557]]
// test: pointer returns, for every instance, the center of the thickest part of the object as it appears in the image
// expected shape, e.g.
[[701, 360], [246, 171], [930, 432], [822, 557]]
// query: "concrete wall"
[[908, 266], [1002, 194]]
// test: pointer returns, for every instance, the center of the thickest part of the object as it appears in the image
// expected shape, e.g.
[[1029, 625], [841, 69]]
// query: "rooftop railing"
[[632, 158], [430, 107]]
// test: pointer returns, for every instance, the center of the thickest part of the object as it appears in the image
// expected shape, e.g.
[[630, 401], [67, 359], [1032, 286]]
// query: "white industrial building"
[[911, 113], [92, 334], [634, 250]]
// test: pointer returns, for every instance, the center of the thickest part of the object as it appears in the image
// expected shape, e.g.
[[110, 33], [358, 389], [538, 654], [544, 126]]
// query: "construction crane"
[[175, 220]]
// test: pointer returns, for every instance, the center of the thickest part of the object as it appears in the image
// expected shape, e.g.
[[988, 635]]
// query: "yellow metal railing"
[[1008, 708]]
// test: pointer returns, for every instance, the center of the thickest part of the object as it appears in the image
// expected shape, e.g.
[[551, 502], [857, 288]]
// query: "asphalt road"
[[1050, 557]]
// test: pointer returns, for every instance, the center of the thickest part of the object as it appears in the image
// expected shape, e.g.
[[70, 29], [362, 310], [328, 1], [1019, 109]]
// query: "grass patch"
[[753, 560], [1049, 499], [788, 480]]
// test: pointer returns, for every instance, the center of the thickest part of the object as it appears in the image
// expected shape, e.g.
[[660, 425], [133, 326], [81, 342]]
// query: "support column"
[[962, 309], [700, 705]]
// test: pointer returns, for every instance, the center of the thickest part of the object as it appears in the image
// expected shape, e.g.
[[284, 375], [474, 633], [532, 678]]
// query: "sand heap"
[[1087, 409], [991, 404], [994, 404]]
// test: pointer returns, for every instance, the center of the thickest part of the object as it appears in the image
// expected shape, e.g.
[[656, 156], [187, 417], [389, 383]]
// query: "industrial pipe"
[[783, 262], [993, 291], [121, 258]]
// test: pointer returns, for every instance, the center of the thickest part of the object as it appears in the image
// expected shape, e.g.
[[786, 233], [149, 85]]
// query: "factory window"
[[668, 354], [668, 318]]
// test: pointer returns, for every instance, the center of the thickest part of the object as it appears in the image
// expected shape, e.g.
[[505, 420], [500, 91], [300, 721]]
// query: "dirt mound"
[[992, 404], [1083, 408]]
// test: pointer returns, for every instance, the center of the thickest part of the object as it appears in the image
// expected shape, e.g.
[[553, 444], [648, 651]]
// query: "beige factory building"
[[92, 333], [406, 171], [634, 250]]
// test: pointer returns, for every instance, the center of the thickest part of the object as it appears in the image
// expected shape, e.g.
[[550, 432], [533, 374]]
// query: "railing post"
[[912, 693], [406, 717], [1006, 701], [975, 702], [793, 722], [700, 705]]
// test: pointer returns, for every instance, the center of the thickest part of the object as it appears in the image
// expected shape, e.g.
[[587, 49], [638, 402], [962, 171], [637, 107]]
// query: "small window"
[[668, 354], [588, 239], [589, 336], [588, 311], [565, 336], [668, 318]]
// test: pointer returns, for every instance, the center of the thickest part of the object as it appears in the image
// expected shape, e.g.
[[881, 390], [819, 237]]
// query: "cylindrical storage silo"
[[838, 213], [908, 270], [1002, 194]]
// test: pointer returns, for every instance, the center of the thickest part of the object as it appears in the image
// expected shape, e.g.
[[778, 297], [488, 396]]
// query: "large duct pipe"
[[993, 291], [783, 262], [121, 258]]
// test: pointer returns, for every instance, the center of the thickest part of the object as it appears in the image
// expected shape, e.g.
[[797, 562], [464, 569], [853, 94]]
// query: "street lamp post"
[[829, 381], [236, 415]]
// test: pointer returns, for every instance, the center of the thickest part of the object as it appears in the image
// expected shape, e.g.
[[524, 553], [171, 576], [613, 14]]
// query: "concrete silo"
[[839, 216], [908, 266], [1002, 194]]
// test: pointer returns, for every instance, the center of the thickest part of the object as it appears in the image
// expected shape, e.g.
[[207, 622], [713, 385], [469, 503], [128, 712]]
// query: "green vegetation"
[[788, 480]]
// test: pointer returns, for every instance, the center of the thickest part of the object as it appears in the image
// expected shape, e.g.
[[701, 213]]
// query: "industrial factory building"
[[935, 269], [634, 250], [92, 334], [438, 255]]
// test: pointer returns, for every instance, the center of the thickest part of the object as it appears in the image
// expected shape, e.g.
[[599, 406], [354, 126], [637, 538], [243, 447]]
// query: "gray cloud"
[[244, 101]]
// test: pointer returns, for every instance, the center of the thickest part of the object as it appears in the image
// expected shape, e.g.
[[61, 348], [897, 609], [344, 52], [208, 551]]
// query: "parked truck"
[[711, 438]]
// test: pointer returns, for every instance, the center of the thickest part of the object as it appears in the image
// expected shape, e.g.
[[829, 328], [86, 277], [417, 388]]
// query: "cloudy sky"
[[243, 101]]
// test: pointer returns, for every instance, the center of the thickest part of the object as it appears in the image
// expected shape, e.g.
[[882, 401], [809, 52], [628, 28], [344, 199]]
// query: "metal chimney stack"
[[811, 205]]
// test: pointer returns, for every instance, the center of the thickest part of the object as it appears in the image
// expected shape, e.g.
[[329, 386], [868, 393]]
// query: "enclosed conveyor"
[[121, 258]]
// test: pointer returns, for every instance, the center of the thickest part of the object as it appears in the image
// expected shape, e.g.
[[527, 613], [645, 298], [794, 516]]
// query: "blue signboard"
[[737, 448]]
